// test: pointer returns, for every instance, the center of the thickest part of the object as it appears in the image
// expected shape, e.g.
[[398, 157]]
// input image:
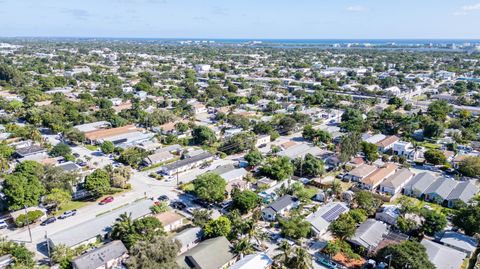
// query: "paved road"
[[142, 186]]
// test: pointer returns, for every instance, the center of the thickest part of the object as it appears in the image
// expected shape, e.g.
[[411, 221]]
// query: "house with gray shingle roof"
[[443, 257], [109, 255], [279, 207], [214, 253], [440, 189], [419, 184], [189, 238], [464, 191]]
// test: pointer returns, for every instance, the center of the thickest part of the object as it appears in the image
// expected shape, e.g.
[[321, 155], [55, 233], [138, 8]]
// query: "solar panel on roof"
[[333, 213]]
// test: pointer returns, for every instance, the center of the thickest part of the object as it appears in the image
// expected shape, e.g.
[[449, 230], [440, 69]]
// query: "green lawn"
[[421, 204], [91, 147], [71, 206]]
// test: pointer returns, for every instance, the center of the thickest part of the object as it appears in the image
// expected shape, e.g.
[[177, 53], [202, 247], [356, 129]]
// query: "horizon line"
[[238, 38]]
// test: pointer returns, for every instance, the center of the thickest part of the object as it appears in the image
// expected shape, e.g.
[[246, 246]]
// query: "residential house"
[[108, 256], [395, 183], [299, 151], [369, 234], [235, 177], [388, 214], [189, 238], [89, 232], [464, 191], [157, 158], [387, 143], [440, 189], [214, 253], [262, 140], [279, 207], [28, 151], [360, 172], [93, 126], [199, 108], [419, 184], [443, 257], [405, 149], [170, 220], [372, 181], [254, 261], [459, 241], [373, 139], [185, 164], [320, 220]]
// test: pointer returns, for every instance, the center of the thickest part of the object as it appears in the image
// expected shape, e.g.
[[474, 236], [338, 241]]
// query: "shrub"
[[32, 216]]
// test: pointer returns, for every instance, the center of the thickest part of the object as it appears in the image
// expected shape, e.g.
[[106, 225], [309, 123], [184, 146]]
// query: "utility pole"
[[28, 223], [48, 248]]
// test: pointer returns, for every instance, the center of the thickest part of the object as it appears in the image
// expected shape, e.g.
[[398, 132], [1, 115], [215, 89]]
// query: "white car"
[[3, 224]]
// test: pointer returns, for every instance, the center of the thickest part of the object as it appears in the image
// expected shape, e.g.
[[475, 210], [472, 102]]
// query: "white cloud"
[[465, 10], [471, 7], [357, 8]]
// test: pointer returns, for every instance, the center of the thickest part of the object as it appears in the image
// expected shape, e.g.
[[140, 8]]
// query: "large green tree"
[[468, 219], [470, 166], [245, 201], [218, 227], [98, 182], [408, 252], [309, 166], [278, 168], [202, 135], [435, 157], [210, 187], [159, 252]]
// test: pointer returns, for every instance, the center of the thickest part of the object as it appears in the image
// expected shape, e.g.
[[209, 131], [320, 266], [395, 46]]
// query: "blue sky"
[[313, 19]]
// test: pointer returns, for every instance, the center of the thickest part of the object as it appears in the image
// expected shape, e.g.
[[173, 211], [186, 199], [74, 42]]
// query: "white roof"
[[253, 261]]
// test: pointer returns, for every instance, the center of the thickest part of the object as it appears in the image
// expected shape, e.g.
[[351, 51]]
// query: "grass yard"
[[91, 147], [71, 206], [419, 204]]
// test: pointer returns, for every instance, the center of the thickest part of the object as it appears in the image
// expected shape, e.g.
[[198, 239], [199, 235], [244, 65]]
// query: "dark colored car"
[[68, 214], [202, 203], [48, 221], [106, 200], [163, 198], [76, 155], [178, 205]]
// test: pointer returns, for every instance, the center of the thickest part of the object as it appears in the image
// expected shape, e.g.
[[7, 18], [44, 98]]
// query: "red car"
[[106, 200]]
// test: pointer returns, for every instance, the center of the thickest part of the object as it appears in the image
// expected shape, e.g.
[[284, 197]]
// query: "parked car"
[[178, 205], [48, 221], [76, 155], [202, 203], [3, 224], [106, 200], [67, 214], [328, 263], [163, 198]]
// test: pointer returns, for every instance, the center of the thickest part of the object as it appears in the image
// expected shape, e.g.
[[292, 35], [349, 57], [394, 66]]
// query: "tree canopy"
[[210, 187]]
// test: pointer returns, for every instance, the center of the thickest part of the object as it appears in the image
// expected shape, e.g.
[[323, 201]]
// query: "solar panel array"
[[333, 213]]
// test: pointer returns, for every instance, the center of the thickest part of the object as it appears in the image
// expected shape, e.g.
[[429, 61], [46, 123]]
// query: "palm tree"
[[301, 259], [243, 247], [123, 227], [283, 257], [63, 255]]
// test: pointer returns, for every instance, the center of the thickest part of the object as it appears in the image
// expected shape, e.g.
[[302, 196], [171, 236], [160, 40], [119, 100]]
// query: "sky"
[[253, 19]]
